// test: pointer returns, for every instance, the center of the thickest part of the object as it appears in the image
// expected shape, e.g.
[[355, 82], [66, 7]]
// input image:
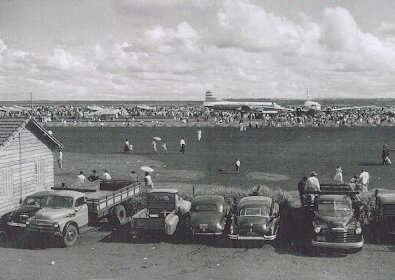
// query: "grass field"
[[275, 157]]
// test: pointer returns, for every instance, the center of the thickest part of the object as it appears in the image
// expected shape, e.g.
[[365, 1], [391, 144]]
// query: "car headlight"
[[317, 229], [55, 225], [358, 230], [27, 223]]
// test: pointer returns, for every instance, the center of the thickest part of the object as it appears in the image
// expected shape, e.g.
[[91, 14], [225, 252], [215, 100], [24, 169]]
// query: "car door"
[[81, 212]]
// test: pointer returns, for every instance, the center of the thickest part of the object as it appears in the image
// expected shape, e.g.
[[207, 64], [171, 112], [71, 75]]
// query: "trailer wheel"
[[119, 215], [70, 235]]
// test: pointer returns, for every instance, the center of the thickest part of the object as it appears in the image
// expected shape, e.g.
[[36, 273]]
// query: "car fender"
[[171, 222], [63, 229]]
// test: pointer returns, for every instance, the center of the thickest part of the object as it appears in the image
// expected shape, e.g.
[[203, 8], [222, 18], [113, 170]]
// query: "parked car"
[[209, 215], [384, 216], [256, 218], [165, 211], [16, 220], [334, 223]]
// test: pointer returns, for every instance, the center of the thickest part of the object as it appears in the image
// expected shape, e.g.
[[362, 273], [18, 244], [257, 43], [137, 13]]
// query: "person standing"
[[364, 179], [164, 146], [101, 126], [301, 188], [106, 175], [238, 166], [154, 146], [199, 135], [339, 175], [127, 147], [148, 180], [182, 145], [60, 159], [312, 183]]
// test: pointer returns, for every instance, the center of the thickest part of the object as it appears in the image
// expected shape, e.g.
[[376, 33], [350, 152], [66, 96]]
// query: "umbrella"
[[157, 138], [146, 169]]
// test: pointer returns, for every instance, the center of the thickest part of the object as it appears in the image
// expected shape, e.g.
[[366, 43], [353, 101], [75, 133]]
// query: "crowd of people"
[[76, 114]]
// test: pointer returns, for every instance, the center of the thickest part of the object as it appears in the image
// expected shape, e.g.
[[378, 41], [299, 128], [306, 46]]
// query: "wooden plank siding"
[[26, 166]]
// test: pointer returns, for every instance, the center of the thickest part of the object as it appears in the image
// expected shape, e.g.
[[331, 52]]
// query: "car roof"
[[214, 199], [334, 197], [163, 191], [386, 197], [69, 193], [254, 201]]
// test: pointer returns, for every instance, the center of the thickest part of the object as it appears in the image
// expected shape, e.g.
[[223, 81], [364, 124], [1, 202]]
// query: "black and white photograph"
[[197, 139]]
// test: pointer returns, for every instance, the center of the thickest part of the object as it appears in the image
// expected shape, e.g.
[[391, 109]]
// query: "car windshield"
[[205, 207], [263, 211], [37, 201], [59, 202], [334, 208]]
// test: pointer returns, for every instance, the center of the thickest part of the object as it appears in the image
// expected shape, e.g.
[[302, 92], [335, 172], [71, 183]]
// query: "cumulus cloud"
[[63, 60]]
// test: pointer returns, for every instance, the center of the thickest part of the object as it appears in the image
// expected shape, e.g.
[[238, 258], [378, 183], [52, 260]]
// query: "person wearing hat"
[[106, 175], [93, 177], [148, 180], [385, 155], [312, 183], [364, 179]]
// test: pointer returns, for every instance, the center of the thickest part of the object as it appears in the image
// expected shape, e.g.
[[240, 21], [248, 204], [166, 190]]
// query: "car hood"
[[205, 217], [341, 221], [24, 212], [53, 214]]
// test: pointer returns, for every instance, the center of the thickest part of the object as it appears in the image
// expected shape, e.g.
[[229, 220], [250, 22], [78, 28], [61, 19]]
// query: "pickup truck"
[[334, 219], [165, 210], [384, 216], [64, 211]]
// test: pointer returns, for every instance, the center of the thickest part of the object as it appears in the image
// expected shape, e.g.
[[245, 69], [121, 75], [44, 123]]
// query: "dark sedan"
[[209, 215], [256, 218]]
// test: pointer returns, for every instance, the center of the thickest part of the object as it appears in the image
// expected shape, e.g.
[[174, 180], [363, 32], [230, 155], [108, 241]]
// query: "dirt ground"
[[101, 254]]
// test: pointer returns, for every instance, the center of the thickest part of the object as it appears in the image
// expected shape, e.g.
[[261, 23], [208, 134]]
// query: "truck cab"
[[63, 214], [165, 208], [384, 215]]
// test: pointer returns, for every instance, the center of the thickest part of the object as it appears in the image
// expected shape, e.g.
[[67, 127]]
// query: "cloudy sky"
[[177, 49]]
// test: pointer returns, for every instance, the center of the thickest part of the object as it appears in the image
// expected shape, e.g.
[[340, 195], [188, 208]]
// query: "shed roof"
[[9, 128]]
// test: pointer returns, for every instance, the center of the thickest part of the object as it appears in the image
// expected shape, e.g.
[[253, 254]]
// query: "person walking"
[[164, 147], [364, 179], [154, 146], [385, 155], [182, 145], [338, 179], [199, 135], [238, 166]]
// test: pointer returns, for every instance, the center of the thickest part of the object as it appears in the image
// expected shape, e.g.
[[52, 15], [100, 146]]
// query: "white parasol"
[[146, 169], [157, 138]]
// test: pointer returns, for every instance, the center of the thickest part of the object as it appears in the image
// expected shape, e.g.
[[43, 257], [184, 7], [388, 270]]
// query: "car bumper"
[[241, 237], [20, 225], [353, 245], [206, 233], [44, 230]]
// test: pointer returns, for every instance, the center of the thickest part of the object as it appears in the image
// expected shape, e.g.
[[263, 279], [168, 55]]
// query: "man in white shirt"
[[312, 183], [106, 175], [148, 180], [182, 144], [238, 166], [81, 178], [199, 135], [364, 178]]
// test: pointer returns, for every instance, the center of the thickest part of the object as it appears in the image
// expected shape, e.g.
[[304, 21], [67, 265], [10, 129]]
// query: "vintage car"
[[334, 223], [16, 219], [209, 215], [256, 218], [384, 215]]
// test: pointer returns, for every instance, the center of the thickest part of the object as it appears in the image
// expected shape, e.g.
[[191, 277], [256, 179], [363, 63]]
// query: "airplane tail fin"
[[210, 97]]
